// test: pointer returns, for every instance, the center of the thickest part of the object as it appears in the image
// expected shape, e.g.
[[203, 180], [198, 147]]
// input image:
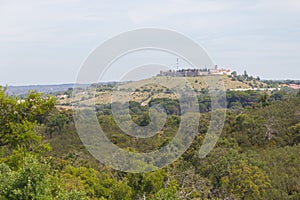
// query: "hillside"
[[144, 91]]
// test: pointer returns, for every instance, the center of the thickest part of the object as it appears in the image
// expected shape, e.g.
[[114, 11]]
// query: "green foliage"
[[94, 183], [282, 166], [148, 183], [219, 161], [55, 122], [28, 182], [246, 181], [19, 117], [191, 185], [32, 181], [169, 192], [256, 157], [244, 98]]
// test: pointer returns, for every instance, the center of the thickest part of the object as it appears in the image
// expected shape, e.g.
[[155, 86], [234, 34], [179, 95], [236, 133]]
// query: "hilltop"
[[145, 90]]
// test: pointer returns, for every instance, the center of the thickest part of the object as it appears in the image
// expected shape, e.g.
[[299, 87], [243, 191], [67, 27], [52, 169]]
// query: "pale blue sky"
[[45, 42]]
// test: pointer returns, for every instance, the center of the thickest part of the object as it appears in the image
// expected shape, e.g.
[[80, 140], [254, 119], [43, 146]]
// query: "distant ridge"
[[46, 89]]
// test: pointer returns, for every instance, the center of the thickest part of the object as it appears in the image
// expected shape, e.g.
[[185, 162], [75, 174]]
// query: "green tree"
[[56, 122], [246, 181], [264, 100], [31, 180], [28, 182], [169, 192], [19, 118], [94, 183]]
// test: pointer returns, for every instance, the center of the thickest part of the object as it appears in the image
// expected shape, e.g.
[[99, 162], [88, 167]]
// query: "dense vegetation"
[[256, 157]]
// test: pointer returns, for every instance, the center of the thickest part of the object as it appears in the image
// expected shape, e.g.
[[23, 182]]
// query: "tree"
[[94, 183], [192, 185], [32, 180], [19, 117], [55, 122], [234, 74], [246, 181], [28, 182], [169, 192], [264, 100], [245, 74], [147, 184]]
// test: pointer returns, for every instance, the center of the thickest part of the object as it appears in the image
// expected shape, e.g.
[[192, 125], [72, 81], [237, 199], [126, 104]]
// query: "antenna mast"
[[177, 64]]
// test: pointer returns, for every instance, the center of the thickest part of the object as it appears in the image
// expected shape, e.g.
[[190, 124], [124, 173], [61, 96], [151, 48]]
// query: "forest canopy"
[[256, 157]]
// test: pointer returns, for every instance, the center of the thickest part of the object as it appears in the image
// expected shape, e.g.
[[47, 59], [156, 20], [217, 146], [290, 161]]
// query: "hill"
[[144, 91]]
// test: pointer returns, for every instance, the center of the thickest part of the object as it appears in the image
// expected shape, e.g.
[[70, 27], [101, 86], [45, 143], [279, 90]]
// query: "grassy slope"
[[150, 89]]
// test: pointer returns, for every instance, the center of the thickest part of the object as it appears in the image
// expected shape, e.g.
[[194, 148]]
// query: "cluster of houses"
[[195, 72], [292, 86]]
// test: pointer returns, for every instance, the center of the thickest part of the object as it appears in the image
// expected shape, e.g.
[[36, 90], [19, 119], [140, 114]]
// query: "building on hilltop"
[[195, 72]]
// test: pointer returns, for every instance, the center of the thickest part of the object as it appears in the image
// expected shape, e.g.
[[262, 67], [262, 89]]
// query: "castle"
[[195, 72]]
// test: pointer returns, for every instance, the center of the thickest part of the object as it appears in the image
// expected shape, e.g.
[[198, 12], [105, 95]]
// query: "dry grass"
[[156, 87]]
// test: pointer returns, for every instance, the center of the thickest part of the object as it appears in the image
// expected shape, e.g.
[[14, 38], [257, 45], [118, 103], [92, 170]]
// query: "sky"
[[47, 41]]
